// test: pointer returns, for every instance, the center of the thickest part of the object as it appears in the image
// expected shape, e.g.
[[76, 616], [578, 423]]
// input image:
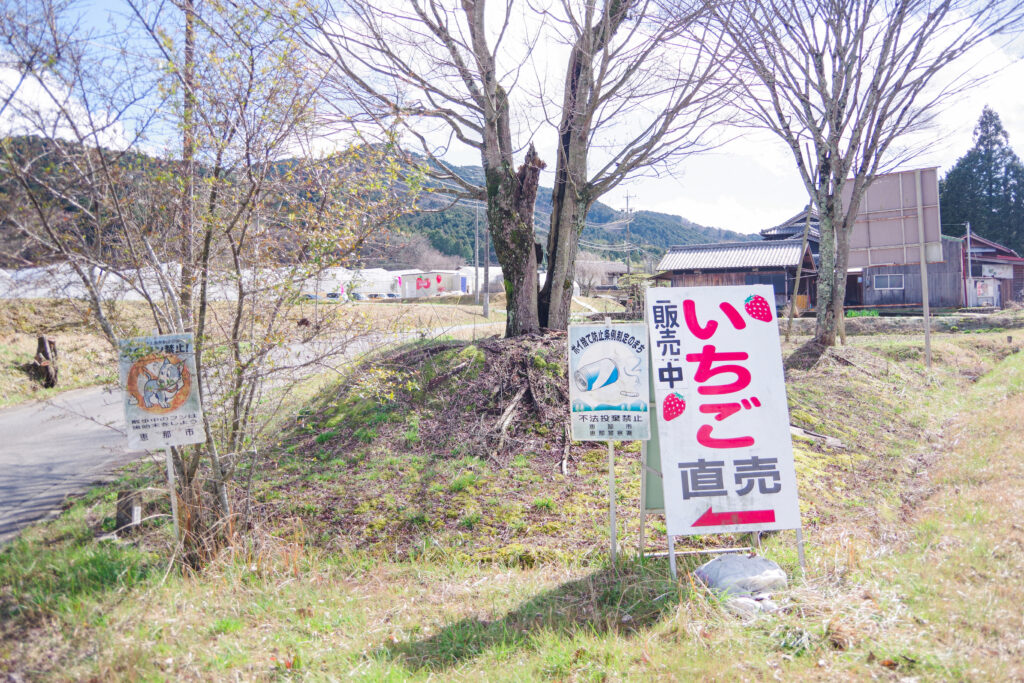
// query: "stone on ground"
[[746, 580]]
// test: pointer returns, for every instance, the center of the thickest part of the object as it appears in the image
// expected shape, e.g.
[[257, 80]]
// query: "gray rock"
[[742, 575], [743, 607]]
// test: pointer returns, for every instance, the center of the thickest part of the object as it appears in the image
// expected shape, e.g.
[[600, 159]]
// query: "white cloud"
[[48, 109]]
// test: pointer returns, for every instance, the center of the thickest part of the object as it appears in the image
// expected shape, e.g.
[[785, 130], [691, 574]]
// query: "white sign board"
[[608, 382], [723, 421], [997, 270], [161, 393]]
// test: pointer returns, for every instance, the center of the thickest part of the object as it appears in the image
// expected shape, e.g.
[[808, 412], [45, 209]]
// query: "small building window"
[[889, 281]]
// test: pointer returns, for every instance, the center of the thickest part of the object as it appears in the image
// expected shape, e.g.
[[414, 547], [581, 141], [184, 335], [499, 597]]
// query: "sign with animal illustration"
[[608, 382], [725, 451], [161, 394]]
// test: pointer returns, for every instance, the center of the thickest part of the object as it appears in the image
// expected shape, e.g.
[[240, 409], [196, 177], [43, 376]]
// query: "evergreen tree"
[[985, 187]]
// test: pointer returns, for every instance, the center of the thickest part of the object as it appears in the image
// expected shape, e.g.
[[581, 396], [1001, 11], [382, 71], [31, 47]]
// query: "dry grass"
[[398, 316], [85, 360], [914, 549]]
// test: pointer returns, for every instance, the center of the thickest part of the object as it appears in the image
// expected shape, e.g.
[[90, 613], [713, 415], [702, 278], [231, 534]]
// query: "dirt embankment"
[[462, 448]]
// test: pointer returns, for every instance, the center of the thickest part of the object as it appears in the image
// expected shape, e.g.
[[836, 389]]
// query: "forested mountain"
[[451, 231]]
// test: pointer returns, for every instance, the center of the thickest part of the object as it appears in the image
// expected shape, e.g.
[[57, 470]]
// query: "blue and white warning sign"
[[608, 382]]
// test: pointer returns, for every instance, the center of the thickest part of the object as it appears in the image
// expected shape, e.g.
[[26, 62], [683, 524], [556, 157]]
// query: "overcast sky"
[[751, 183]]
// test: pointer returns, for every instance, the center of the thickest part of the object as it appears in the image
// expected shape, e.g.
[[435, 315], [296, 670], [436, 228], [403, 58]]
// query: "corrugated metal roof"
[[729, 255]]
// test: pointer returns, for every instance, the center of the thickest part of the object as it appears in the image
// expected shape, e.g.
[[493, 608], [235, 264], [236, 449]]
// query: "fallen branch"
[[506, 417]]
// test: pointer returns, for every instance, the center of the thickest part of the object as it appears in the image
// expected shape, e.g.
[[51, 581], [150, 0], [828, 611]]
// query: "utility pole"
[[970, 268], [476, 255], [629, 243], [487, 272]]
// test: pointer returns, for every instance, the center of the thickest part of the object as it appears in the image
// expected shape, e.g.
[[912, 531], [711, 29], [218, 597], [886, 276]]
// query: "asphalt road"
[[52, 449]]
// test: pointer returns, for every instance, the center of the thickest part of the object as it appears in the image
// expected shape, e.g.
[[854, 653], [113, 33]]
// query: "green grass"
[[909, 574], [62, 568], [545, 504]]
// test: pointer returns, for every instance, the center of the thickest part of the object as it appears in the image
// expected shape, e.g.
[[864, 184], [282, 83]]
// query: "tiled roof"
[[794, 227], [729, 255]]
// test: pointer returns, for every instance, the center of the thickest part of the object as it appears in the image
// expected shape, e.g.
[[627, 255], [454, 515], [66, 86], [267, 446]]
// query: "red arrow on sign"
[[710, 518]]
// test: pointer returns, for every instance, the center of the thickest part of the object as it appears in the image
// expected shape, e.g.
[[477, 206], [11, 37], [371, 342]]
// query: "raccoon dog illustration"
[[160, 390]]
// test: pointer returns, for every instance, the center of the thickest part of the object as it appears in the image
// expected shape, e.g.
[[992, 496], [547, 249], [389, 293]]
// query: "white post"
[[643, 494], [924, 273], [174, 494], [672, 557]]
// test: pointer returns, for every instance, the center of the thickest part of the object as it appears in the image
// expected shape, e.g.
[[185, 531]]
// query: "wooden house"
[[771, 262], [899, 285], [793, 229]]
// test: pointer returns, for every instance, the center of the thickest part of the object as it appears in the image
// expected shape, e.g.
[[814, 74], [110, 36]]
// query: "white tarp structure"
[[418, 284]]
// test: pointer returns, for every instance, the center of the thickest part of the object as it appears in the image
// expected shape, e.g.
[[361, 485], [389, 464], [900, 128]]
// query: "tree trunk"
[[571, 196], [839, 289], [510, 204], [44, 366], [825, 329], [568, 217]]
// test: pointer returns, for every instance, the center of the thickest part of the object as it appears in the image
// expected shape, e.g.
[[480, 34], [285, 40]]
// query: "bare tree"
[[411, 250], [640, 83], [424, 62], [590, 271], [853, 78], [643, 88], [86, 180]]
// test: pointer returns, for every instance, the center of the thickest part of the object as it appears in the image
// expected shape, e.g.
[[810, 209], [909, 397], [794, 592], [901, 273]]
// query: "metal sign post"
[[608, 389], [613, 552], [174, 494]]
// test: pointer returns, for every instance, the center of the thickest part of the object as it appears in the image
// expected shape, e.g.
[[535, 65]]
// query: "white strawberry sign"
[[722, 419]]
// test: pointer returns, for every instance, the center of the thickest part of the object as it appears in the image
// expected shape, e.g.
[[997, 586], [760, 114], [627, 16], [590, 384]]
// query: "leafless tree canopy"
[[851, 79], [640, 88]]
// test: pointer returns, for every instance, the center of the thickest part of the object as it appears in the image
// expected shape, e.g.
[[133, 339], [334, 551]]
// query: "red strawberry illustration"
[[757, 308], [673, 406], [438, 279]]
